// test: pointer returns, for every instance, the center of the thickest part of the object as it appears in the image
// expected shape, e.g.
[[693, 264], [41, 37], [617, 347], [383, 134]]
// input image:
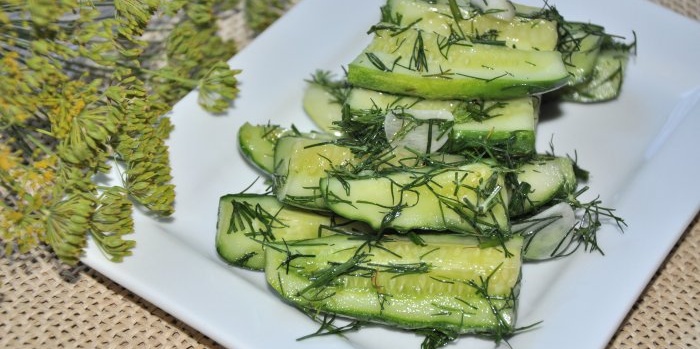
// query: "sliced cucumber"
[[548, 234], [605, 82], [507, 124], [257, 143], [510, 126], [300, 163], [447, 282], [528, 11], [438, 17], [428, 65], [322, 108], [402, 158], [470, 199], [246, 222], [540, 181], [581, 45]]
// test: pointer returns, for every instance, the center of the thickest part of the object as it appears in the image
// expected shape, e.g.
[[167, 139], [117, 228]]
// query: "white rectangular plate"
[[640, 149]]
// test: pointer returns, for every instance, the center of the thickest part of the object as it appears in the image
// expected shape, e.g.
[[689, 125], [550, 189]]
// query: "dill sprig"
[[85, 88], [592, 216], [327, 325], [497, 304], [255, 220], [436, 338]]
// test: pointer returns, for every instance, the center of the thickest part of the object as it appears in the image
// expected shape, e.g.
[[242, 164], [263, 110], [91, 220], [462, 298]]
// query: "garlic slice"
[[410, 132]]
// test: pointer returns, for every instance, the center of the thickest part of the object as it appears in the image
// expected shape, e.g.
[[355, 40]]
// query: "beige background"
[[45, 305]]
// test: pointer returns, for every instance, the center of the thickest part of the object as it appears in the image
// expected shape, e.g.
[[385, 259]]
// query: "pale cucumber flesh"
[[545, 178], [322, 108], [478, 124], [394, 64], [436, 16], [246, 223], [450, 283], [300, 163], [470, 199]]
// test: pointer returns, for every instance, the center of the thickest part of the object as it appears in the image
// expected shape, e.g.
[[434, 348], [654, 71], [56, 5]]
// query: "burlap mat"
[[690, 8], [44, 305]]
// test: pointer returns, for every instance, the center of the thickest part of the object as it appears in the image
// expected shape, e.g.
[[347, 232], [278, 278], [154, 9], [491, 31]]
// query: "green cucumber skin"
[[364, 75], [439, 298], [458, 71], [516, 143], [233, 246], [257, 143]]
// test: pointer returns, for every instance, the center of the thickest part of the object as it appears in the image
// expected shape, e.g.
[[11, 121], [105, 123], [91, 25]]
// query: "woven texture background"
[[45, 305]]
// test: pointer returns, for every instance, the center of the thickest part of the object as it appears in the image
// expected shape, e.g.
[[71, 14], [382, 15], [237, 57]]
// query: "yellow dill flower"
[[19, 228], [46, 162], [65, 107], [11, 66], [46, 167], [8, 159], [13, 217], [12, 162]]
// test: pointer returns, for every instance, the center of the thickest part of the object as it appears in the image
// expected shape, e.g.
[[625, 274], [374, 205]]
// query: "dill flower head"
[[83, 91], [218, 88]]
